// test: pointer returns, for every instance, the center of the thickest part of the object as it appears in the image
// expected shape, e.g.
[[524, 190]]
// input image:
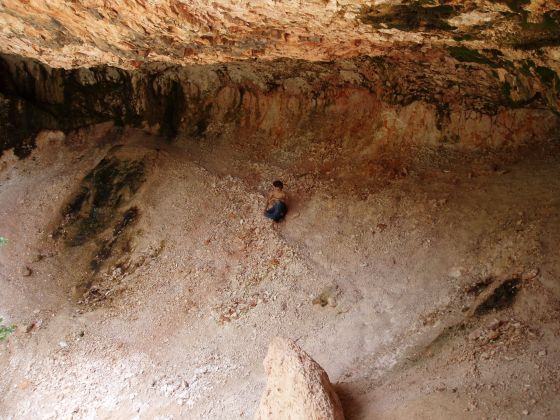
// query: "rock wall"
[[423, 96]]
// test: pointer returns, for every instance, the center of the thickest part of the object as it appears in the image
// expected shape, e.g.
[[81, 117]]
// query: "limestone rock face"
[[297, 388], [124, 33], [358, 104]]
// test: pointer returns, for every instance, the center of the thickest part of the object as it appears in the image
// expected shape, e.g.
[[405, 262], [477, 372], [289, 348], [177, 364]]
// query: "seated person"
[[276, 207]]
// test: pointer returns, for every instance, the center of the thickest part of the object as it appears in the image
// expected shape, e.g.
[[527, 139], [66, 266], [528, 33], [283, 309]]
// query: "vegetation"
[[415, 15], [466, 55], [526, 67], [102, 191], [97, 208], [5, 331], [548, 76], [464, 37], [515, 5], [506, 93], [106, 246], [533, 35]]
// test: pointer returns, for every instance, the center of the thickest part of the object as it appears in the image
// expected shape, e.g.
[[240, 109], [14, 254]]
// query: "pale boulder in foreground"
[[297, 387]]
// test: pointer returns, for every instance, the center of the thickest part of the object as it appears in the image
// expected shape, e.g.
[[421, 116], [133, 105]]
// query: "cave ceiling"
[[128, 33]]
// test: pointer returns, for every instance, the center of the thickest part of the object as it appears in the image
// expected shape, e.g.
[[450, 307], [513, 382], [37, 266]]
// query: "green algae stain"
[[417, 15], [93, 208]]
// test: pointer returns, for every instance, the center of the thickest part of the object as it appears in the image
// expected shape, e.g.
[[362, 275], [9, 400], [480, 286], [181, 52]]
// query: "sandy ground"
[[180, 321]]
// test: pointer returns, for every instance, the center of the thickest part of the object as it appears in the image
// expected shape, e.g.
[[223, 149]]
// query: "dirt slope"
[[175, 320]]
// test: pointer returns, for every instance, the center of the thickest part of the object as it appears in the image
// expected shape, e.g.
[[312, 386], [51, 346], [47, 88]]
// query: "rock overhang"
[[478, 72], [127, 34]]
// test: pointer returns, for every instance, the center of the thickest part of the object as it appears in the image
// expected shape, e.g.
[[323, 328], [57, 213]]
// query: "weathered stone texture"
[[297, 387]]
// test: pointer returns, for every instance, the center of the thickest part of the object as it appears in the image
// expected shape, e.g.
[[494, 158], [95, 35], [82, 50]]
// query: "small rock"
[[326, 297], [525, 412], [474, 335], [495, 324], [530, 274], [24, 385], [26, 271], [63, 344], [493, 335], [542, 353], [456, 272]]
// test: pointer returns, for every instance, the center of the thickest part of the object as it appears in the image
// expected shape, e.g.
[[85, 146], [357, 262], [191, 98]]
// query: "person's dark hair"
[[278, 184]]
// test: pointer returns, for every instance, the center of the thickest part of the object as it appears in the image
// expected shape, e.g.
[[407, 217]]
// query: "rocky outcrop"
[[34, 96], [297, 387], [345, 74], [424, 96]]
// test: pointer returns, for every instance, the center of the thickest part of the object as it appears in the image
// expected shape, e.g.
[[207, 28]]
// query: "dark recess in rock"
[[502, 297], [188, 99]]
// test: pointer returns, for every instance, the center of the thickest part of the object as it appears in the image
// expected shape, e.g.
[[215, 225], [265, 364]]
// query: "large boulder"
[[297, 387]]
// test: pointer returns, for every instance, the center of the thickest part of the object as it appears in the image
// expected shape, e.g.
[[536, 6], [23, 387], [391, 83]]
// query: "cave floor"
[[380, 278]]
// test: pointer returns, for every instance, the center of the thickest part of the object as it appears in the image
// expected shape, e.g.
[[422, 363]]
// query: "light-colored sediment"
[[183, 330]]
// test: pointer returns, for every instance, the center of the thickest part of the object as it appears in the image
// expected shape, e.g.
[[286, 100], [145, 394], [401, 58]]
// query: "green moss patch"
[[514, 5], [506, 93], [411, 16], [94, 207], [526, 67], [464, 37], [547, 76], [5, 330], [105, 247], [466, 55], [534, 35]]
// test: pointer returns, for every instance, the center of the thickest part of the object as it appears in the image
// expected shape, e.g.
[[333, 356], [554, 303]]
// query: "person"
[[276, 207]]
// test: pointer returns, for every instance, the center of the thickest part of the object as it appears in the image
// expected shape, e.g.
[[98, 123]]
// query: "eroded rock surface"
[[418, 96], [297, 387], [125, 34]]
